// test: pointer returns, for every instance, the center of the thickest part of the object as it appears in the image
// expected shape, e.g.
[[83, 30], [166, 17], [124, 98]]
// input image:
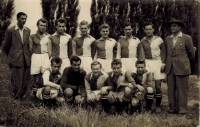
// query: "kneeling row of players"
[[126, 91]]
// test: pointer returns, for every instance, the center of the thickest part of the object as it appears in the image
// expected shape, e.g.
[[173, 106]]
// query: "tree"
[[55, 9], [48, 11], [7, 11]]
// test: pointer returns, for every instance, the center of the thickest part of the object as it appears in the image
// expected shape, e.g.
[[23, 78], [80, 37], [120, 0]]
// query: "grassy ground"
[[30, 113]]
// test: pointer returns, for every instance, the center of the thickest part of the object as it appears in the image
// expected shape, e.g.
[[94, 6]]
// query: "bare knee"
[[46, 90], [134, 102], [79, 99], [60, 101], [68, 92], [149, 90], [127, 91]]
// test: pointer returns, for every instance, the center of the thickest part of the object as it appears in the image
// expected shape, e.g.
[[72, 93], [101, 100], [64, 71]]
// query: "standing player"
[[40, 58], [128, 48], [122, 85], [83, 46], [103, 49], [72, 82], [153, 53], [60, 44]]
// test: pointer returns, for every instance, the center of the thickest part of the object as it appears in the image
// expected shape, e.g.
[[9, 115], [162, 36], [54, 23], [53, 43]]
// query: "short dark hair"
[[21, 13], [42, 20], [57, 60], [96, 63], [128, 24], [116, 62], [61, 20], [140, 62], [84, 23], [104, 25], [148, 23], [74, 58]]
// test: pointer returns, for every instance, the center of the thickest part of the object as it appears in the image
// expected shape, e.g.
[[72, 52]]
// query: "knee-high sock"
[[46, 99], [149, 100], [158, 98]]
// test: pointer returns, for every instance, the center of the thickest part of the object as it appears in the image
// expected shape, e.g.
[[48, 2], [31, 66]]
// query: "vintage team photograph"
[[99, 63]]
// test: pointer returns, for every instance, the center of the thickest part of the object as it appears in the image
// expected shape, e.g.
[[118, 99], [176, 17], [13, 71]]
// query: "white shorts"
[[154, 67], [65, 63], [86, 63], [39, 63], [53, 93], [129, 64], [106, 64]]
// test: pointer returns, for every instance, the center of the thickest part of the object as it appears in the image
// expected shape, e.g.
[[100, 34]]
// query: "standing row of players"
[[39, 49], [126, 51]]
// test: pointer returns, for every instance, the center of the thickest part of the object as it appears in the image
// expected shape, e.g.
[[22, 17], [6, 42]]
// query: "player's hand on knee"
[[90, 98], [140, 88], [104, 90]]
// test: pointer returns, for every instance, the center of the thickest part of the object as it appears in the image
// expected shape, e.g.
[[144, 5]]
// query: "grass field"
[[30, 113]]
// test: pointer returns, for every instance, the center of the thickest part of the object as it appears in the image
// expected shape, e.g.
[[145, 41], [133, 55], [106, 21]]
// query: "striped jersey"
[[39, 45], [104, 49], [83, 45], [128, 48], [61, 45], [153, 49]]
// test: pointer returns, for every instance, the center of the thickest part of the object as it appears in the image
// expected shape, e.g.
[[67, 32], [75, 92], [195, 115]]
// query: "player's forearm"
[[51, 84]]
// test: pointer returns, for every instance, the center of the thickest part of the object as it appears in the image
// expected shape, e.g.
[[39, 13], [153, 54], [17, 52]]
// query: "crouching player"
[[122, 85], [95, 85], [72, 82], [143, 78], [51, 93]]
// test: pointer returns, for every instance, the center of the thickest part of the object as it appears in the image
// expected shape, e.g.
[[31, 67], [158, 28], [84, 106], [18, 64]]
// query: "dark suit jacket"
[[15, 48], [179, 56]]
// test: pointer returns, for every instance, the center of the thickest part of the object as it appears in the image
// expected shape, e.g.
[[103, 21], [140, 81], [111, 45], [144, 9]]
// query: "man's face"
[[60, 27], [140, 68], [84, 29], [42, 27], [104, 32], [96, 69], [22, 20], [149, 30], [116, 69], [175, 28], [128, 30], [55, 68], [76, 65]]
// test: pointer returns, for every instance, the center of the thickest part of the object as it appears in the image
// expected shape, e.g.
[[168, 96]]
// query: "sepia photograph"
[[99, 63]]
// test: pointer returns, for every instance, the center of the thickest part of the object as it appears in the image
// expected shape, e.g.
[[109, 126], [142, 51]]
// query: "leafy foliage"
[[159, 12], [55, 9], [6, 13]]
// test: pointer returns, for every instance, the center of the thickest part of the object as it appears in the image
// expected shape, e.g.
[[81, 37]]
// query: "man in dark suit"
[[16, 46], [179, 52]]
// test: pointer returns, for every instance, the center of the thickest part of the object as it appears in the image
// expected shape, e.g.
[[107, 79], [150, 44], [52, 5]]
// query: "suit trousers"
[[20, 79], [177, 91]]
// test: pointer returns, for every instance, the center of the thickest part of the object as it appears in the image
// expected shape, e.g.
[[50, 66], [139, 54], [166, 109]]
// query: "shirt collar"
[[154, 38], [119, 74], [101, 39], [64, 34], [85, 36], [80, 71], [179, 35], [38, 33], [91, 76], [133, 37], [16, 27]]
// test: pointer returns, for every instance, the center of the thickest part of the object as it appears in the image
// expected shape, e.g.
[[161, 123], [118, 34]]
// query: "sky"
[[34, 11]]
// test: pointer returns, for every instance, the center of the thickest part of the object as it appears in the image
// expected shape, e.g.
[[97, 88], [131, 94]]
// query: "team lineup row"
[[131, 64]]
